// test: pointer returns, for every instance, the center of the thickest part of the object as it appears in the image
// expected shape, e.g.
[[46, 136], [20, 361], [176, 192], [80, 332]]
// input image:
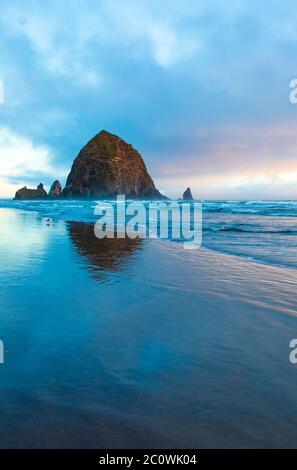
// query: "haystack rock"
[[187, 196], [56, 190], [108, 166], [26, 193]]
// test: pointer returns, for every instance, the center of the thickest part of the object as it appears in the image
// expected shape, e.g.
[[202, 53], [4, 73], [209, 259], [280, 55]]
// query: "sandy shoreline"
[[145, 345]]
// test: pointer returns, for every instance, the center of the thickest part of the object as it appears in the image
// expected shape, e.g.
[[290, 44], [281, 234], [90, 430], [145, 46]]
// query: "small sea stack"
[[56, 190], [187, 196], [27, 193]]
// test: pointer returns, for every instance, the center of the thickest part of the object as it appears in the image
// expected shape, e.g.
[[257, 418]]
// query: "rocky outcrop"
[[56, 190], [187, 196], [26, 193], [108, 166]]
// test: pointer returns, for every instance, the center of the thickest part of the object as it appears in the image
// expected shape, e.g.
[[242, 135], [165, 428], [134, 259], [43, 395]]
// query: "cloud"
[[21, 159], [220, 149], [198, 87], [233, 161], [60, 51], [69, 41]]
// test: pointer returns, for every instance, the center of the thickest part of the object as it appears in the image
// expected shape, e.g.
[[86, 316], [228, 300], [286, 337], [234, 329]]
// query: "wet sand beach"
[[126, 343]]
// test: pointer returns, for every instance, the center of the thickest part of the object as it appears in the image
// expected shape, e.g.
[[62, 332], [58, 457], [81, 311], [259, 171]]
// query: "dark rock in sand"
[[56, 190], [108, 166], [27, 193], [187, 196]]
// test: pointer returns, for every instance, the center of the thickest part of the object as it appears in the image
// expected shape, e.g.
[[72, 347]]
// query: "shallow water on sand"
[[122, 343], [263, 231]]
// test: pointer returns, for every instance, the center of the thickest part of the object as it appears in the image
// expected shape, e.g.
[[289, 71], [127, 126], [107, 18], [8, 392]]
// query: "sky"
[[199, 88]]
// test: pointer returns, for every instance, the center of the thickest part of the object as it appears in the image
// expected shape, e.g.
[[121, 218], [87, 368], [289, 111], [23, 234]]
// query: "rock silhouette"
[[26, 193], [187, 196], [56, 190], [108, 166]]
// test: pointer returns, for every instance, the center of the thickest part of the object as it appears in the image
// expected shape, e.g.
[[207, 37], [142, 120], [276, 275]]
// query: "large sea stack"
[[108, 166]]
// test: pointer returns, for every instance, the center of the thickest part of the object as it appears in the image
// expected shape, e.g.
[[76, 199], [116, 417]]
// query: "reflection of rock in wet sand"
[[105, 254]]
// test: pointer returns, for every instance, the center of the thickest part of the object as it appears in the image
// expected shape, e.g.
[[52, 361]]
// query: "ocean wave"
[[258, 230]]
